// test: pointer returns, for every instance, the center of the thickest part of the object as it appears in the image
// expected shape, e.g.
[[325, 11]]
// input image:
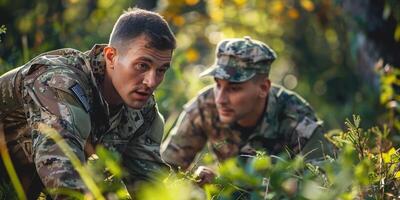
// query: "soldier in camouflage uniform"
[[243, 112], [100, 97]]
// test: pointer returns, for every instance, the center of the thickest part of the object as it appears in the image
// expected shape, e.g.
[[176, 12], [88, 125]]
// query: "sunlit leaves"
[[192, 55], [368, 155], [293, 13], [397, 33], [3, 30], [105, 3], [387, 156], [25, 23], [173, 188], [111, 161], [390, 96], [307, 5], [178, 21], [277, 7], [216, 14], [362, 172], [240, 2], [261, 163], [191, 2]]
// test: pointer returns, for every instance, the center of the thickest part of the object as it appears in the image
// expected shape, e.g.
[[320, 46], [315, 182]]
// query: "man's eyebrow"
[[166, 65], [145, 59]]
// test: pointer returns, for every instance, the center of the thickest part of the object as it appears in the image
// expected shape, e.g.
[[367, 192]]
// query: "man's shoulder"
[[67, 58], [59, 56], [203, 100], [287, 97], [63, 70], [294, 107]]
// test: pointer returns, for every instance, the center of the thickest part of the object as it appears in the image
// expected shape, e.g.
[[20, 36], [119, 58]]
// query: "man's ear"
[[109, 56], [264, 86]]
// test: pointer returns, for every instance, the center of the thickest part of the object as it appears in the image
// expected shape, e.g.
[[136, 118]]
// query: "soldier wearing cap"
[[243, 113], [100, 97]]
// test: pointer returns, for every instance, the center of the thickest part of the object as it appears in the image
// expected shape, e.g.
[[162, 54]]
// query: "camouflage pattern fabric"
[[239, 60], [60, 89], [288, 124]]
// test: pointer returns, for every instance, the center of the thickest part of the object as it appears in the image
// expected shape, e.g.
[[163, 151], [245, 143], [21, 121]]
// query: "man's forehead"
[[155, 55], [227, 82]]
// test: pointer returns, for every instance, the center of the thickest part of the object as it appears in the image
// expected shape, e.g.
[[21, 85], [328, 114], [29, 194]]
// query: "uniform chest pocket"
[[114, 143], [129, 124]]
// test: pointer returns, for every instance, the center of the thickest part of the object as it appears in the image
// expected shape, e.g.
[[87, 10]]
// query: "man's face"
[[240, 102], [136, 70]]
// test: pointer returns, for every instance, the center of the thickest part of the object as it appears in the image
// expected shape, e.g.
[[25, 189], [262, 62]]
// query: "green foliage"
[[7, 191], [366, 167], [367, 160], [390, 97], [3, 30]]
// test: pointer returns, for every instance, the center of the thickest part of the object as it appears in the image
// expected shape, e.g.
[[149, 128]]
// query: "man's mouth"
[[225, 111], [142, 95]]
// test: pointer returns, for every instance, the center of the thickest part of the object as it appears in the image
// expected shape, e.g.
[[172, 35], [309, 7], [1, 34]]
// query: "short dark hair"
[[259, 77], [135, 21]]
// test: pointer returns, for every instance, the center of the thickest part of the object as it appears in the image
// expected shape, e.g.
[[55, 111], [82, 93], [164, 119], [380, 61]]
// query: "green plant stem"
[[9, 166]]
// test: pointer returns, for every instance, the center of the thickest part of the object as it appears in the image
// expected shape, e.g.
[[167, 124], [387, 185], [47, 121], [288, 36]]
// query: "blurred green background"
[[337, 54]]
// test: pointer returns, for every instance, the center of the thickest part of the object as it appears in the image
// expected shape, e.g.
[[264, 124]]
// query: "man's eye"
[[142, 66], [235, 89], [162, 70]]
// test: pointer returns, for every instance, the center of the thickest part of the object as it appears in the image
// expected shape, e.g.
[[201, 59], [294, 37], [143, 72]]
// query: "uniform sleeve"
[[142, 155], [50, 101], [303, 130], [184, 141]]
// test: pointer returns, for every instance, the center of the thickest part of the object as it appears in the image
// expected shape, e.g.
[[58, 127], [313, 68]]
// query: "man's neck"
[[109, 93]]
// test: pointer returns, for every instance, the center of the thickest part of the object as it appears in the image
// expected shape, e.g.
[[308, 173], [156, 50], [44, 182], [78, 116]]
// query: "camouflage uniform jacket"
[[61, 89], [288, 123]]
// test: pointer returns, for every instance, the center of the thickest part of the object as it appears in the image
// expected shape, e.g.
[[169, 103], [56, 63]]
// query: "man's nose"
[[150, 79], [221, 96]]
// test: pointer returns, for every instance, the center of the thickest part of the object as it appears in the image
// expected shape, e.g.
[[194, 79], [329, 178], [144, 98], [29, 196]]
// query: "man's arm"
[[51, 101], [303, 130], [184, 141]]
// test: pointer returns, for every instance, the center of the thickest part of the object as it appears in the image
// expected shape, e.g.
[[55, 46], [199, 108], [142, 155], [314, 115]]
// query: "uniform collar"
[[270, 113], [97, 61]]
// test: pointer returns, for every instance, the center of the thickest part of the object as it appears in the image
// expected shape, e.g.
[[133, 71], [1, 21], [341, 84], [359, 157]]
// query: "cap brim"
[[209, 72], [234, 75]]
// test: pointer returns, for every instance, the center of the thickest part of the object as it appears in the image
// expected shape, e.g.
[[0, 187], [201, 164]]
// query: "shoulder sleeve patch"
[[306, 127], [78, 92]]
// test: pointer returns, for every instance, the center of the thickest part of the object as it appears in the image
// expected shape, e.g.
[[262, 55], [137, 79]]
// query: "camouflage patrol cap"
[[240, 59]]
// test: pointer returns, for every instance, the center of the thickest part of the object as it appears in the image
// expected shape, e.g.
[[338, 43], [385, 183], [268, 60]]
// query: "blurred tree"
[[377, 36], [41, 25], [311, 37], [326, 48], [146, 4]]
